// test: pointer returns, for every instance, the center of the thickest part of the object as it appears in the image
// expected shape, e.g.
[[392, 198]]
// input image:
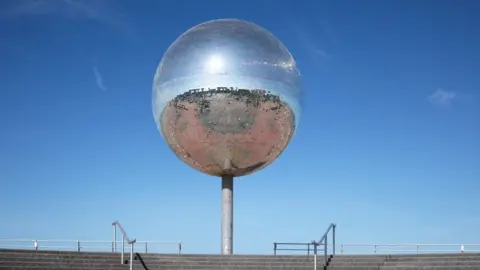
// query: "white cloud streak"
[[442, 97], [97, 10], [99, 79]]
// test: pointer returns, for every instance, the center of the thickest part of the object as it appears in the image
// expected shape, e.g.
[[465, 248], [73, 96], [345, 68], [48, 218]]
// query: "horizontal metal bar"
[[87, 241], [38, 240], [405, 245], [161, 242], [294, 244], [299, 249], [420, 251]]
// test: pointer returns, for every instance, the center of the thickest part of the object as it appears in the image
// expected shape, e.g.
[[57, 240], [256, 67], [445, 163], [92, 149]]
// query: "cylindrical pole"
[[131, 256], [114, 237], [227, 215], [325, 250], [315, 256], [123, 248], [333, 240]]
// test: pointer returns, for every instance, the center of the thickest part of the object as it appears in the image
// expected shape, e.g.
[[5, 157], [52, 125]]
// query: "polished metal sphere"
[[226, 97]]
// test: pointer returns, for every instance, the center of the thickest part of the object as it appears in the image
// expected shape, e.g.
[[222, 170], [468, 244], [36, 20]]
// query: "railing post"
[[308, 249], [314, 255], [325, 250], [418, 247], [275, 248], [462, 248], [123, 248], [333, 240], [131, 256], [375, 249], [180, 248], [78, 245], [35, 244], [146, 247], [114, 242]]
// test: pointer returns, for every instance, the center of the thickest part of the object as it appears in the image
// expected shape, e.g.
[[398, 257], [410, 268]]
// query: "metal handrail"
[[151, 246], [117, 224], [276, 248], [86, 245], [413, 248], [322, 242], [131, 242]]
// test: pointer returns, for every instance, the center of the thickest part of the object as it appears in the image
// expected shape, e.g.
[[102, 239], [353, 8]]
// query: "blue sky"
[[388, 146]]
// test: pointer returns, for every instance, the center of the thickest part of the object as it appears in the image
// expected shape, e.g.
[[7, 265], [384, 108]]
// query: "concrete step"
[[405, 268], [434, 263], [333, 260], [449, 258], [429, 267], [36, 260], [353, 267]]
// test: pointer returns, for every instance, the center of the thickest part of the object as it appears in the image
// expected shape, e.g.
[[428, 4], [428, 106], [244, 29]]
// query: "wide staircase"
[[37, 260], [319, 255]]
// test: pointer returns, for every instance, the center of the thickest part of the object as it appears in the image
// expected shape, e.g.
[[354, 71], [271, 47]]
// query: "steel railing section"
[[167, 247], [131, 242], [311, 246], [382, 249], [77, 245], [386, 249], [407, 248]]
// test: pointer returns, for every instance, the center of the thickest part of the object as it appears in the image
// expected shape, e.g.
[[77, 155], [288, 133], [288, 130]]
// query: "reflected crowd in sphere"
[[226, 97]]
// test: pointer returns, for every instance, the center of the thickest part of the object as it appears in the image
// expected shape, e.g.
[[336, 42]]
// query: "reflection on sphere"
[[226, 97]]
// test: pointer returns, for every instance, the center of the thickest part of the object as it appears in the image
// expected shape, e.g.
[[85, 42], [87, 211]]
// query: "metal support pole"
[[123, 248], [314, 255], [78, 245], [114, 243], [325, 247], [146, 247], [333, 240], [131, 255], [274, 248], [227, 215]]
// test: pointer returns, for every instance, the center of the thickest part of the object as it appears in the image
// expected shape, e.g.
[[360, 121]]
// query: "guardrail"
[[407, 248], [166, 247], [131, 242], [170, 247], [298, 246], [381, 249], [323, 242]]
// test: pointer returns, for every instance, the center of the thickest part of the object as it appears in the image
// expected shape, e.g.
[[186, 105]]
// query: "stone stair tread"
[[59, 260]]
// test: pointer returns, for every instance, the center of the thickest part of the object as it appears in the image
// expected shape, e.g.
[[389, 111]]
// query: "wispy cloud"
[[99, 79], [310, 33], [99, 10], [309, 40], [442, 97]]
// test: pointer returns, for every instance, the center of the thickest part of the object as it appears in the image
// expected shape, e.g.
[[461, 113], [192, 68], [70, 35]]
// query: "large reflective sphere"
[[226, 97]]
